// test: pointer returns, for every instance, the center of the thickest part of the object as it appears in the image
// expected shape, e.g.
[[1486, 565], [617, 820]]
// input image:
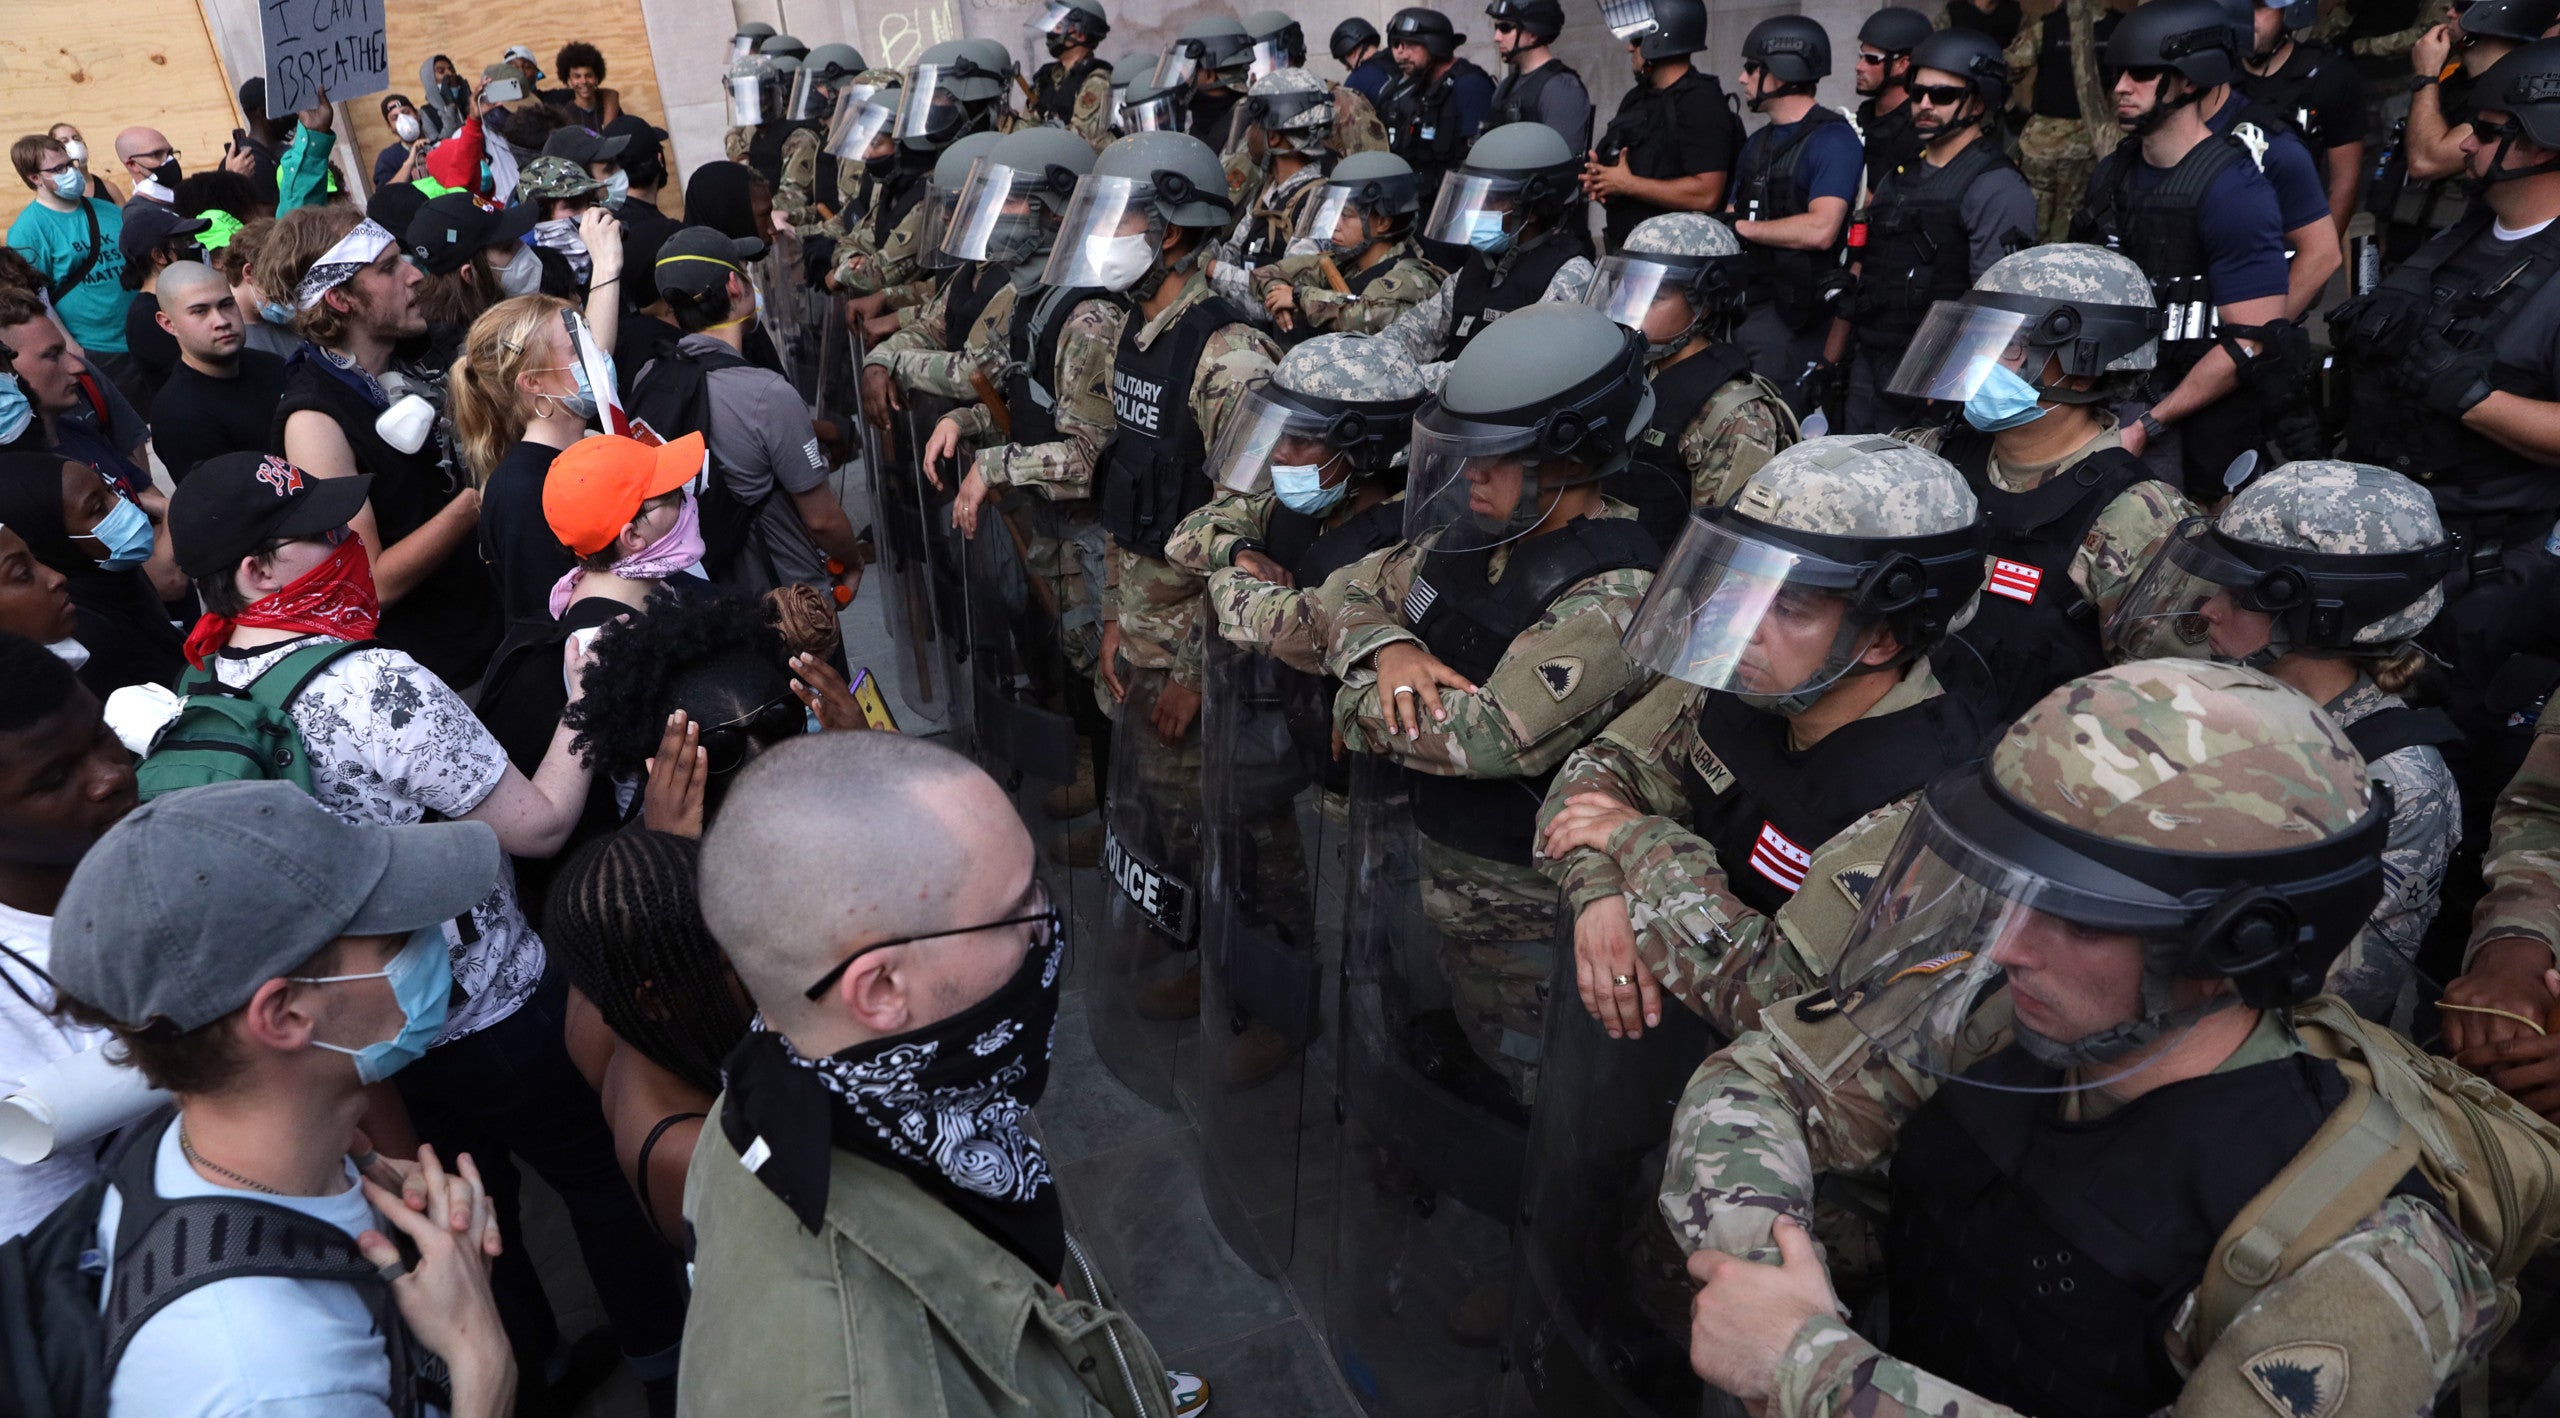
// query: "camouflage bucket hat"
[[552, 178]]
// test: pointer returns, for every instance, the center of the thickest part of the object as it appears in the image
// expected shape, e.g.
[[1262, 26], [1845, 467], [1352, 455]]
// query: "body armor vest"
[[2039, 1262], [1766, 188], [1154, 473], [966, 297], [764, 151], [1779, 805], [1656, 481], [1031, 357], [1274, 217], [891, 199], [1424, 125], [2464, 286], [1468, 621], [1054, 88], [1918, 251], [1489, 287], [2287, 91], [2157, 229], [2032, 629], [1892, 145], [1312, 551], [1515, 99], [2054, 95]]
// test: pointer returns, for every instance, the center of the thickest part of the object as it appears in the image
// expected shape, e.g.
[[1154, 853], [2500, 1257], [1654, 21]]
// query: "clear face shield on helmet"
[[1474, 486], [1334, 221], [1106, 238], [1956, 347], [749, 80], [1308, 448], [812, 96], [1773, 624], [2206, 595], [1053, 18], [1652, 296], [934, 114], [1473, 209], [864, 114], [998, 216], [1266, 58], [1179, 66], [1155, 113], [934, 231]]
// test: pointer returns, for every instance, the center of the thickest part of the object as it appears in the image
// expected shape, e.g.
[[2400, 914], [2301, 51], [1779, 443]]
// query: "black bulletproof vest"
[[1515, 99], [2468, 287], [2157, 229], [1660, 486], [1468, 622], [450, 621], [2031, 627], [1891, 144], [1272, 220], [1918, 251], [891, 200], [1490, 286], [1766, 189], [1424, 125], [2038, 1262], [1155, 470], [1054, 88], [1782, 805], [2387, 731], [966, 297], [1031, 355], [764, 152], [1312, 551], [2287, 91], [1213, 117]]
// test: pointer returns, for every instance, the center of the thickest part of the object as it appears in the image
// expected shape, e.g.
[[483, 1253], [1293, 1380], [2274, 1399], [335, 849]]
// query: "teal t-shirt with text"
[[56, 241]]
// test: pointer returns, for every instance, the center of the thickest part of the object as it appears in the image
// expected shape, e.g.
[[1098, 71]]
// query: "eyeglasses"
[[2147, 73], [1045, 919], [62, 166], [1752, 66], [155, 157], [1942, 95], [724, 746], [1505, 27]]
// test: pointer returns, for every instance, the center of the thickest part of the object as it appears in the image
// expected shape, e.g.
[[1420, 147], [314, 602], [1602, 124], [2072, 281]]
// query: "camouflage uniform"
[[2056, 154], [1092, 115], [2523, 861], [2127, 532], [896, 267], [1248, 164], [1356, 125], [1274, 204], [1423, 329], [1409, 281], [796, 196], [1812, 1096]]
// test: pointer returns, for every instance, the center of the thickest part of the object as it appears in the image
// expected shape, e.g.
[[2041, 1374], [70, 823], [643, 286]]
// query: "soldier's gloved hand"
[[2447, 380]]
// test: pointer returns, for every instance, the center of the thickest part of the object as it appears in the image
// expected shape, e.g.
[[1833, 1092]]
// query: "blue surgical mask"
[[15, 412], [275, 312], [2005, 400], [1488, 234], [1301, 488], [421, 977], [616, 188], [70, 183], [126, 534]]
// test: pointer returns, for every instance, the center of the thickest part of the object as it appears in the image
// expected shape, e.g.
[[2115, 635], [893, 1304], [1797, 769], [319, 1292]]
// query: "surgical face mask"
[[2005, 400], [421, 977], [275, 312], [1301, 489], [406, 125], [126, 534], [616, 188], [1124, 259], [581, 403], [69, 183], [77, 151], [522, 275], [1488, 235], [15, 412]]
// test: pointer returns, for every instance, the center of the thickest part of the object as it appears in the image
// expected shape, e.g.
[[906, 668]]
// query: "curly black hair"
[[626, 923], [218, 190], [578, 54], [713, 655]]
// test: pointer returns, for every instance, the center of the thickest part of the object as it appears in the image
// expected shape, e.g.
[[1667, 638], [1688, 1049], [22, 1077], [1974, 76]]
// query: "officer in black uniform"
[[1070, 30], [2417, 187], [1214, 56], [1536, 86], [1935, 222], [1438, 102], [1885, 43], [1672, 143], [2314, 88], [1792, 190], [1365, 62]]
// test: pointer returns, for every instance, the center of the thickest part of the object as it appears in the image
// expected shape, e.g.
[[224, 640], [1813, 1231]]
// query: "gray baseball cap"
[[193, 901]]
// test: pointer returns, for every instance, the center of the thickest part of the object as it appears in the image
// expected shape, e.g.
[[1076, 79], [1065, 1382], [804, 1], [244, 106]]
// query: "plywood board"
[[106, 67]]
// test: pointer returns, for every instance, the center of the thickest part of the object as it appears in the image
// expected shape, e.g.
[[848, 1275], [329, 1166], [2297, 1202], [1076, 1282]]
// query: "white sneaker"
[[1190, 1393]]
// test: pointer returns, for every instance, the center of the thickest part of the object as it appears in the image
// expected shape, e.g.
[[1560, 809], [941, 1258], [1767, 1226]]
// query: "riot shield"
[[1147, 992], [902, 523], [1018, 678], [1427, 1167], [1600, 1291], [1263, 939]]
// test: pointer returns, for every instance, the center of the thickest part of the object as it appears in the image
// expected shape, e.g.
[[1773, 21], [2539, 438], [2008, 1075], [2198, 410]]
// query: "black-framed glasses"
[[1046, 918], [1505, 27], [2492, 133], [1942, 95], [1753, 66], [724, 746]]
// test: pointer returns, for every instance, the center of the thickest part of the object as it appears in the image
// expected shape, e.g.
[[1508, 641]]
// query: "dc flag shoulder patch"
[[2014, 579], [1778, 858]]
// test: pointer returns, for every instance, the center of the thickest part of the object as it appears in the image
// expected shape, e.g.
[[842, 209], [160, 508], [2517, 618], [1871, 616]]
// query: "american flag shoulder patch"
[[2014, 579], [1778, 858]]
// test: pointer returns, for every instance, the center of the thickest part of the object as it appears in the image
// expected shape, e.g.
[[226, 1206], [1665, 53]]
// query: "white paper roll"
[[70, 1101]]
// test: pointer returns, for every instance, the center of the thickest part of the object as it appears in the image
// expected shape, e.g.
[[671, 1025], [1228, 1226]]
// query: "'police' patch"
[[2304, 1380], [1561, 675]]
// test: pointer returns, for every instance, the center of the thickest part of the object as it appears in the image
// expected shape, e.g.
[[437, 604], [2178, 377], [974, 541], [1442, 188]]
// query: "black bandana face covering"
[[943, 1104]]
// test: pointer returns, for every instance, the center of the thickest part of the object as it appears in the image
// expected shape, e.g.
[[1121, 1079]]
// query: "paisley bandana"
[[355, 251]]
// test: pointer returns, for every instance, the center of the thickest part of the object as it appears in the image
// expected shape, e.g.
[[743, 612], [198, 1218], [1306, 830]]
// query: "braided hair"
[[714, 656], [626, 922]]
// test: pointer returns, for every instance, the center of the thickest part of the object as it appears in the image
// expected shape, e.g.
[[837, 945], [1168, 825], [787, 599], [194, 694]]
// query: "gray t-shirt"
[[759, 431], [1563, 103], [1999, 215]]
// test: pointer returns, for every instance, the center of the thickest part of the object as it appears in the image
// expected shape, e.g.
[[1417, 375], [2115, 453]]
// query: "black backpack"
[[58, 1351], [673, 398]]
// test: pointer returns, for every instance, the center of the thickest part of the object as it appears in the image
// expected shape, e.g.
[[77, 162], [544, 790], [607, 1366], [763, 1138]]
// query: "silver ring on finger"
[[1622, 981], [1405, 689]]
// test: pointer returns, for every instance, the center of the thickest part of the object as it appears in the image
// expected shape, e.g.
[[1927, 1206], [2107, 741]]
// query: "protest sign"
[[312, 45]]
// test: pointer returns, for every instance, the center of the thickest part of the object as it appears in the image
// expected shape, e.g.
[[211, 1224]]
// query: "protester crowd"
[[1878, 761]]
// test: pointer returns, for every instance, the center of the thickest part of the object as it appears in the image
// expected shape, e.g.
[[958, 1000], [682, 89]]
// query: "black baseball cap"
[[395, 205], [150, 224], [641, 243], [697, 260], [639, 132], [584, 145], [231, 506], [444, 233]]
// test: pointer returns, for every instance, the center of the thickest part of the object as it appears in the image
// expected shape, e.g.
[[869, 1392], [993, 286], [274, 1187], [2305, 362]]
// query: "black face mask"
[[167, 174], [1059, 44]]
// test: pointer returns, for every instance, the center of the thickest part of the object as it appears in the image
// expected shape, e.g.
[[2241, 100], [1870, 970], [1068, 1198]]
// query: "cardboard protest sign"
[[312, 45]]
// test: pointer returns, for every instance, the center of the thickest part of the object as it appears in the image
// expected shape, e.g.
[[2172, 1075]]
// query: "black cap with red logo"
[[240, 504]]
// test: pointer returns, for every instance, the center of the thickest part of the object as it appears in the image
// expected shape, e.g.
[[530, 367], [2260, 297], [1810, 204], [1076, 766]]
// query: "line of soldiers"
[[1660, 896]]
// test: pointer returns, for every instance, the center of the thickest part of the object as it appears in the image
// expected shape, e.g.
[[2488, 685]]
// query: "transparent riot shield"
[[1264, 940], [1147, 989], [1428, 1156], [1600, 1292], [902, 523]]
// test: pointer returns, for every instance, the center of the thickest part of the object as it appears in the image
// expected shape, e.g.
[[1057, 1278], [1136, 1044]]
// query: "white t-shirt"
[[259, 1345], [390, 743], [30, 1038]]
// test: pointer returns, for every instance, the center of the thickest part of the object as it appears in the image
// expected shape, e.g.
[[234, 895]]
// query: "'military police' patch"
[[1560, 675], [2305, 1380]]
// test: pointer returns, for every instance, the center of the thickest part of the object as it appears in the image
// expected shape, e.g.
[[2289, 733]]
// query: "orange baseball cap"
[[596, 485]]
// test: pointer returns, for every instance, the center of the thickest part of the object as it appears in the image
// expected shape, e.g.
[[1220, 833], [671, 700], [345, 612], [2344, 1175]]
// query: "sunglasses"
[[1941, 95], [1873, 60], [2147, 73], [2491, 134], [1505, 27], [725, 746], [1044, 919], [1751, 66]]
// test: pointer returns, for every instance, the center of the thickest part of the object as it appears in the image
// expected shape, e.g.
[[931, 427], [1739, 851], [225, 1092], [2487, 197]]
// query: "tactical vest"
[[1031, 357], [1657, 482], [965, 299], [2032, 629], [2054, 95], [1054, 88], [1468, 621], [891, 199], [1766, 188], [1918, 251], [1212, 118], [1154, 472], [1489, 287], [1274, 217], [1312, 551], [2039, 1262], [2287, 91], [1781, 805], [1892, 145], [1515, 99], [764, 153], [2388, 730], [2467, 287], [2157, 229], [1424, 124]]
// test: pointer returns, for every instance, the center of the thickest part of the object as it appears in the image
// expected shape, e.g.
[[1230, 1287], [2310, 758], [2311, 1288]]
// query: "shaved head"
[[181, 279], [199, 311], [833, 840], [139, 140]]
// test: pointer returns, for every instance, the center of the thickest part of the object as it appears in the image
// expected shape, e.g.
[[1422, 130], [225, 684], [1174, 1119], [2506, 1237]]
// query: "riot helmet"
[[757, 87], [1969, 55], [1016, 194], [1686, 256], [821, 81], [2525, 86], [1061, 25], [1892, 32], [1336, 408], [1515, 172], [2044, 315], [1368, 185], [1139, 188], [1154, 108], [942, 198], [782, 46], [2191, 38], [1206, 48], [1541, 20], [748, 36], [2207, 821], [1833, 546], [867, 112], [2319, 557], [1428, 28], [1289, 111], [1349, 38], [1547, 397], [1279, 42], [954, 88], [1794, 50], [1659, 29], [2515, 21]]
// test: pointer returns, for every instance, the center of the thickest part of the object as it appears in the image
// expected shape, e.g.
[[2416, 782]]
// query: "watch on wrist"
[[2421, 81], [2152, 427]]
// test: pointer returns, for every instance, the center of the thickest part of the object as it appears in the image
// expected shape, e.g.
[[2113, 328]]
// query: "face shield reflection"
[[1471, 203], [811, 96], [1156, 113], [996, 216], [1096, 237], [1955, 348], [863, 114], [1729, 611], [2185, 604], [1271, 430], [1626, 288]]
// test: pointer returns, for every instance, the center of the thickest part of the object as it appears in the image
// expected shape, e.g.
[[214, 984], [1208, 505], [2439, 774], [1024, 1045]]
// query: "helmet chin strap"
[[2160, 1016], [2161, 107], [2499, 171]]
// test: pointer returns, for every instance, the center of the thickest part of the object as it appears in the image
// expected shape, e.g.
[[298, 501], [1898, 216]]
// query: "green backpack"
[[227, 735]]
